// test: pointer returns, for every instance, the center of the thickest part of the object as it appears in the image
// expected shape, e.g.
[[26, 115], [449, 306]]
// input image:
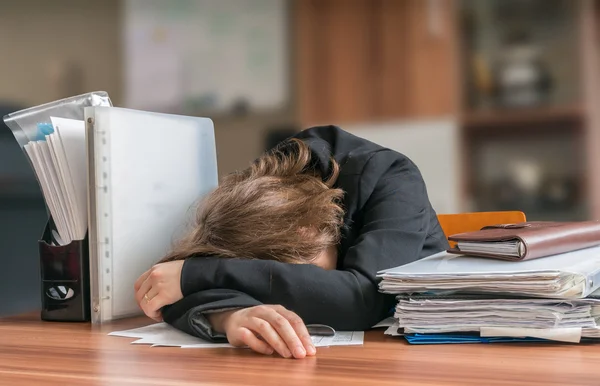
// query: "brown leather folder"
[[527, 240]]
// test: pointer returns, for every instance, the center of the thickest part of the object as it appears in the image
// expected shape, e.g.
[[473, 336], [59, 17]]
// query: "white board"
[[198, 55]]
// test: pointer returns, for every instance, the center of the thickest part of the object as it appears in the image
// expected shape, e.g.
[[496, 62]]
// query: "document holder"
[[65, 279]]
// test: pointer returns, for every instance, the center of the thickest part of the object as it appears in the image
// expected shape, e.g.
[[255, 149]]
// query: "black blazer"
[[390, 222]]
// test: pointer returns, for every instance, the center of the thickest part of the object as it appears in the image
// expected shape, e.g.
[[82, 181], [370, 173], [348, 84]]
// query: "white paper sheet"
[[569, 275], [570, 335], [56, 187], [446, 314], [162, 334], [341, 338], [59, 163], [68, 140], [393, 330], [387, 322], [30, 149], [34, 150]]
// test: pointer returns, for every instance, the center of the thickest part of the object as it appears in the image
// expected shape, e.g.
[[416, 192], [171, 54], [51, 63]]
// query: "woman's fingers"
[[300, 328], [140, 280], [152, 309], [249, 339], [151, 294], [284, 329], [263, 328], [271, 328], [151, 304], [143, 290]]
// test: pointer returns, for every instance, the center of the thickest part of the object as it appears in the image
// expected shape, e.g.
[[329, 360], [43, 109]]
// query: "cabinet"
[[371, 60]]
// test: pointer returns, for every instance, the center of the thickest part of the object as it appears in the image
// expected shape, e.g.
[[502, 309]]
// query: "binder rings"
[[145, 173]]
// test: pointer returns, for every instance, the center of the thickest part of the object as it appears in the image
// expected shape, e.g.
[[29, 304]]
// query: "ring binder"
[[65, 274], [146, 171]]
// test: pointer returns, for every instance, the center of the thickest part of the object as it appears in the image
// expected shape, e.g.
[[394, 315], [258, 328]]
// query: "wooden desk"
[[34, 352]]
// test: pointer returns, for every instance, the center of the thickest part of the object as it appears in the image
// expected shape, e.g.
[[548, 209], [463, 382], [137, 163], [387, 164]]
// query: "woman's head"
[[278, 209]]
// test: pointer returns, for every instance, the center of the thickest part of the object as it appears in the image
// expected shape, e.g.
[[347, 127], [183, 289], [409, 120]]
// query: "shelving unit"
[[535, 157], [369, 61], [483, 120]]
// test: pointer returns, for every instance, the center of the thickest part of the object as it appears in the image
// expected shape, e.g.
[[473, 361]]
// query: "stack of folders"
[[498, 294]]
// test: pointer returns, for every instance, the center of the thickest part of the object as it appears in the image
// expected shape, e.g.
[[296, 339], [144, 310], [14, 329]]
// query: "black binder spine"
[[65, 279]]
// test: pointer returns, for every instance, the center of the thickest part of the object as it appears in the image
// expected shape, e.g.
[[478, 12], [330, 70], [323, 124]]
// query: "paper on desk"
[[569, 275], [590, 332], [387, 322], [393, 330], [570, 335], [341, 338], [162, 334]]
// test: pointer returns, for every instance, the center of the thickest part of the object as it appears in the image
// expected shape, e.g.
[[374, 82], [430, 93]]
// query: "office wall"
[[51, 48], [437, 160], [66, 47]]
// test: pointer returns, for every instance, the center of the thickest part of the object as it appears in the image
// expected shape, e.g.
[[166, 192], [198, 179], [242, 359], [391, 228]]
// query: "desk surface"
[[35, 352]]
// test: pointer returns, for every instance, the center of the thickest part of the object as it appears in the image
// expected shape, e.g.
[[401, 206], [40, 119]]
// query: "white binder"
[[146, 173]]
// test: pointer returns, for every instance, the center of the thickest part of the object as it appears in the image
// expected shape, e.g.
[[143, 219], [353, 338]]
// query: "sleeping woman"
[[295, 239]]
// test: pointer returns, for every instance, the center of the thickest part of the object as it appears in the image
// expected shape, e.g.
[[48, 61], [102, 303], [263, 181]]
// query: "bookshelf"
[[521, 78], [526, 118]]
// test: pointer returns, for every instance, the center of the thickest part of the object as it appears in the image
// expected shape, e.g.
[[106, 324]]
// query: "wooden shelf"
[[523, 117]]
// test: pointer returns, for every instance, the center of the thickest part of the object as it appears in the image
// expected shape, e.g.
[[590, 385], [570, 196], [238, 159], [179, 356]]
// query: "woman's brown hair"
[[280, 208]]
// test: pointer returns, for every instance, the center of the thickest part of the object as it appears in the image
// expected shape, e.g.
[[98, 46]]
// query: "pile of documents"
[[453, 298], [564, 320], [164, 335], [58, 157], [53, 137]]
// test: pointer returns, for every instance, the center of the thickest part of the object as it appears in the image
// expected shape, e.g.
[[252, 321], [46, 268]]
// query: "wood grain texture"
[[33, 352], [372, 60], [431, 58], [590, 66], [333, 56]]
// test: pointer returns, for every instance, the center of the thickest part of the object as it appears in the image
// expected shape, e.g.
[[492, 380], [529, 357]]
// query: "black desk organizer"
[[65, 279]]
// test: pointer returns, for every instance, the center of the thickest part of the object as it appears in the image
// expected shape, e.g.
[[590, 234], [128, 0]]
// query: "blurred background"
[[495, 100]]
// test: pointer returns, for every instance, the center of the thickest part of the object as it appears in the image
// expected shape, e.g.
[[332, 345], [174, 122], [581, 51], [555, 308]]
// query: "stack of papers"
[[449, 298], [509, 248], [162, 334], [572, 275], [543, 318], [58, 158]]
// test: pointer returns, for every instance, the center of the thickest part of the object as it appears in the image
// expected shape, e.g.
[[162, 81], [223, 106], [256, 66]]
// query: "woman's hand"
[[158, 287], [264, 329]]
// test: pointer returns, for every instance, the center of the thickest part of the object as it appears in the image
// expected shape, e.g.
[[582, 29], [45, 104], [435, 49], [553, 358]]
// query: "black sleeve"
[[189, 314], [394, 228]]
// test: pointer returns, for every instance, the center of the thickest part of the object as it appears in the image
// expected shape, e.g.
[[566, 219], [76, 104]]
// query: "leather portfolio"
[[527, 240]]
